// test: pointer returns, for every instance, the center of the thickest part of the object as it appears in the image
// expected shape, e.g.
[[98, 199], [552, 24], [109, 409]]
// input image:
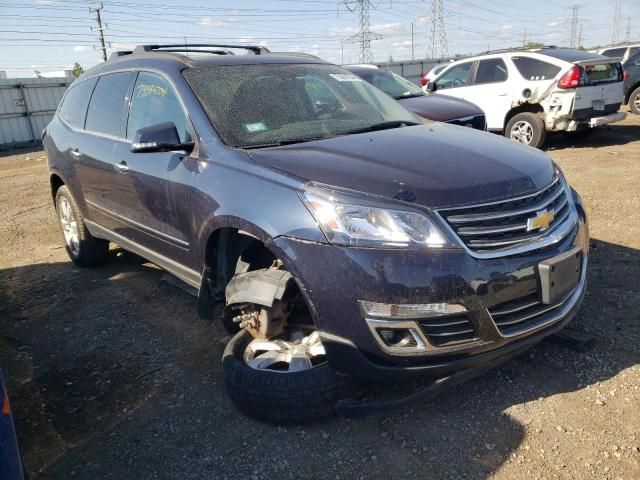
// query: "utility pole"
[[573, 38], [579, 38], [100, 29], [627, 35], [437, 46], [524, 38], [616, 22], [364, 35]]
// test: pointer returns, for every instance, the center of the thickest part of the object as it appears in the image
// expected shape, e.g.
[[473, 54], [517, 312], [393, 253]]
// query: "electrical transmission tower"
[[616, 22], [100, 29], [364, 35], [573, 39], [437, 46]]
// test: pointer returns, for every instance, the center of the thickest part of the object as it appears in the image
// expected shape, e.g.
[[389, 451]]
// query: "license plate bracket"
[[559, 275], [598, 105]]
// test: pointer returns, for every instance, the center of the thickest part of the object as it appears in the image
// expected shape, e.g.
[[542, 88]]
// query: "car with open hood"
[[331, 231]]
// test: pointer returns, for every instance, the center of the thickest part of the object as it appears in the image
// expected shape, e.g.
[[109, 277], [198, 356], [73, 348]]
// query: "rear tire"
[[83, 249], [281, 397], [527, 128], [634, 101]]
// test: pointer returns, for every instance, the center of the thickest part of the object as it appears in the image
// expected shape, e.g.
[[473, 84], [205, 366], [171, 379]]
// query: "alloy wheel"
[[295, 353], [522, 132], [69, 226]]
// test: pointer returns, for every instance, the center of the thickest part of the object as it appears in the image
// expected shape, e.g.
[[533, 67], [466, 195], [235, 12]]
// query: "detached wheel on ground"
[[527, 128], [282, 380], [634, 101], [83, 249]]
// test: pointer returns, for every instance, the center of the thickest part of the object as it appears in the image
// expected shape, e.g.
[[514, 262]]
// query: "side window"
[[154, 101], [633, 51], [491, 71], [74, 107], [615, 52], [457, 76], [533, 69], [107, 103]]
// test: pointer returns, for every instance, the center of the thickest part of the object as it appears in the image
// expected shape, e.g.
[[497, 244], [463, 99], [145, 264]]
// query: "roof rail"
[[299, 54], [517, 49], [183, 47], [212, 48]]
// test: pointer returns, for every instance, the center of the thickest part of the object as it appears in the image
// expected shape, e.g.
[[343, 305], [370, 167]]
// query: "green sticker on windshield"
[[255, 127]]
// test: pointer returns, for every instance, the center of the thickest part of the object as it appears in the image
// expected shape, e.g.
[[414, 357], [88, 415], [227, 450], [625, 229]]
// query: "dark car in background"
[[631, 70], [342, 236], [444, 109], [10, 460]]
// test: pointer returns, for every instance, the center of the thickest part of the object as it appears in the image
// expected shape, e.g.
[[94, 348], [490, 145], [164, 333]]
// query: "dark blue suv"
[[327, 227]]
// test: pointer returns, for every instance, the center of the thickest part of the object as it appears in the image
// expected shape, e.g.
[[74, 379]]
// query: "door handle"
[[121, 166], [76, 153]]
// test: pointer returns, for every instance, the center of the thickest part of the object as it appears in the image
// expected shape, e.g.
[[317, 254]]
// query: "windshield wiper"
[[282, 142], [383, 126], [409, 95]]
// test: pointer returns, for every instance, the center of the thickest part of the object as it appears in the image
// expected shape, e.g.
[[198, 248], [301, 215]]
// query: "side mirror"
[[431, 87], [162, 137]]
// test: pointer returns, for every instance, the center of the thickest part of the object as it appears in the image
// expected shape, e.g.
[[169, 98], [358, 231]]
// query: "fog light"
[[409, 310], [397, 337]]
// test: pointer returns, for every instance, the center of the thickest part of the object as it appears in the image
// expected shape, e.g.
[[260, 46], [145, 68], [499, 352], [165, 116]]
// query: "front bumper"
[[334, 278]]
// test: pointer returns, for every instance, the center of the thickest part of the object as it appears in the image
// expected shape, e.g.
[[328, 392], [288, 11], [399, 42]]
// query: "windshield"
[[391, 84], [267, 104]]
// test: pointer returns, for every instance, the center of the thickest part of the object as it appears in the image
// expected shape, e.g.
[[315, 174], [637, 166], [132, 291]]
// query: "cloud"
[[402, 45], [80, 48], [210, 22], [555, 23], [45, 2], [381, 28], [507, 27]]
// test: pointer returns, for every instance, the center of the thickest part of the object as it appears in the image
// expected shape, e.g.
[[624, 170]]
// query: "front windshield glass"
[[391, 84], [266, 104]]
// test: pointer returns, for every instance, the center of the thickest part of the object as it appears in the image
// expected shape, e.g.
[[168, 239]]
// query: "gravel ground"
[[112, 374]]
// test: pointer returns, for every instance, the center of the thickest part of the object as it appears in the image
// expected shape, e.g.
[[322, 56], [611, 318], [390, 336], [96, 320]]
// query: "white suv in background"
[[526, 93], [623, 52]]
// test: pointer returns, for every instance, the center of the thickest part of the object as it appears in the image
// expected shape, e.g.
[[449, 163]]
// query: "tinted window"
[[391, 84], [633, 51], [615, 52], [74, 107], [490, 71], [533, 69], [154, 101], [457, 76], [107, 103]]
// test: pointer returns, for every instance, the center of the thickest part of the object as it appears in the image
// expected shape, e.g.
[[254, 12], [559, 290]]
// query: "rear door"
[[604, 94], [104, 193], [490, 91]]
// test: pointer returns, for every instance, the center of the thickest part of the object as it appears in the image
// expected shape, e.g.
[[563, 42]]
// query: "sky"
[[50, 35]]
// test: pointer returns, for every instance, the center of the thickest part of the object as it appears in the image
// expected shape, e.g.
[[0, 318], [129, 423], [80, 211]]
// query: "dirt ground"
[[113, 375]]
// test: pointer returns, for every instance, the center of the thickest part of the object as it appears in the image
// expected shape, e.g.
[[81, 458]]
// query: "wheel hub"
[[69, 226], [293, 352], [522, 132]]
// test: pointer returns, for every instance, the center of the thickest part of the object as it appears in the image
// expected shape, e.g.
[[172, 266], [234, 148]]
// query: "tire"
[[281, 397], [527, 128], [634, 101], [83, 249]]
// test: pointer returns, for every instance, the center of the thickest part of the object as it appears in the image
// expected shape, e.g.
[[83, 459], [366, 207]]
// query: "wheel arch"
[[631, 90], [522, 108], [55, 181]]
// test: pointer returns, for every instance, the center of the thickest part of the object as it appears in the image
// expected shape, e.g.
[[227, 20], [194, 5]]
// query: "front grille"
[[519, 315], [502, 225], [478, 122], [445, 331]]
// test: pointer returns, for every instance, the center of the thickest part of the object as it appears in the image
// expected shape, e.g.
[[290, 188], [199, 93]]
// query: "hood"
[[433, 165], [441, 108]]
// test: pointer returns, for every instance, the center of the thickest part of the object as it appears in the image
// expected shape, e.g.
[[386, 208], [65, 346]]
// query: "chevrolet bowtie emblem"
[[541, 221]]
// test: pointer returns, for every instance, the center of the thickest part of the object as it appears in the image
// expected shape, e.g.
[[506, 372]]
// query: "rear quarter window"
[[533, 69], [604, 72], [74, 106], [107, 104]]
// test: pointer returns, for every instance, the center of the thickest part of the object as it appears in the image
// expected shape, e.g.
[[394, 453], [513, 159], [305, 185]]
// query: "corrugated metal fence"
[[411, 69], [26, 107]]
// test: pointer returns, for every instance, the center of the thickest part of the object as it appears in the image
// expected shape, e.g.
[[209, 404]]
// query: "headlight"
[[352, 220]]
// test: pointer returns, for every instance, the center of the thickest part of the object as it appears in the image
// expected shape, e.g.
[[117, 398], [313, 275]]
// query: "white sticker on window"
[[345, 77], [255, 127]]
